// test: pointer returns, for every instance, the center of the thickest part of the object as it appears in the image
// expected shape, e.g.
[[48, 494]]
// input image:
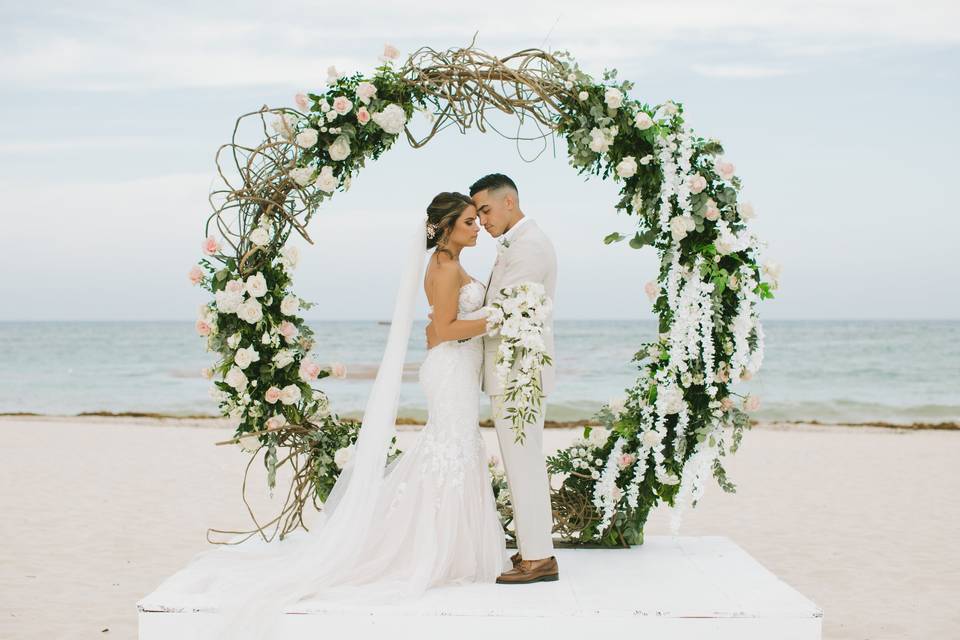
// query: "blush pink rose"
[[288, 330], [652, 290], [203, 328], [302, 102], [337, 370], [342, 105], [726, 404], [309, 370], [235, 286], [626, 460], [390, 52], [751, 403], [363, 116], [272, 395], [211, 246], [724, 169], [697, 183], [196, 274], [712, 212]]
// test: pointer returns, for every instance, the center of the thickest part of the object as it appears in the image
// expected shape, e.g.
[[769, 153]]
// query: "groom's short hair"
[[493, 181]]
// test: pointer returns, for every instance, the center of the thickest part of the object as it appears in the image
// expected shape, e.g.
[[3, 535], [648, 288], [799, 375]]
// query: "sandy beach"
[[98, 511]]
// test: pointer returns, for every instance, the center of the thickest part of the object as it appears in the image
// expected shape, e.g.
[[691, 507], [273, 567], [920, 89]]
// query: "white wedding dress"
[[427, 519]]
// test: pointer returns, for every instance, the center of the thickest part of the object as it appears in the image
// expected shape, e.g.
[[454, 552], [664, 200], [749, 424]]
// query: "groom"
[[524, 254]]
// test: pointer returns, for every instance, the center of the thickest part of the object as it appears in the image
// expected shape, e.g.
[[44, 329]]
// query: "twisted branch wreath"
[[657, 443]]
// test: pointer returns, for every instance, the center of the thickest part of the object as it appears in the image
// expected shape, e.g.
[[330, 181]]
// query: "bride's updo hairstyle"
[[442, 214]]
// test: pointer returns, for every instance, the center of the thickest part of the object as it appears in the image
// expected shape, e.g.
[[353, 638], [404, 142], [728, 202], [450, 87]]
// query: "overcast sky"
[[840, 116]]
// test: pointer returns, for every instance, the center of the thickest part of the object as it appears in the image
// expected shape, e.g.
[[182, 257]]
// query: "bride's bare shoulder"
[[442, 273]]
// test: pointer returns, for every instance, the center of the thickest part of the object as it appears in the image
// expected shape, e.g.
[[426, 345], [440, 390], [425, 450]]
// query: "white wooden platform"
[[683, 587]]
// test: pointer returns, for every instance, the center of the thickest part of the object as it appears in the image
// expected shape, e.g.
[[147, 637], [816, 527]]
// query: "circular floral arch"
[[659, 443]]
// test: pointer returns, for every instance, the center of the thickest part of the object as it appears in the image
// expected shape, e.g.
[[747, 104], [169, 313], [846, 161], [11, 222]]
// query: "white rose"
[[290, 256], [772, 269], [627, 167], [642, 120], [236, 378], [598, 142], [290, 394], [342, 456], [392, 119], [228, 301], [301, 175], [306, 138], [583, 95], [285, 124], [245, 356], [366, 91], [340, 149], [260, 236], [668, 108], [249, 442], [256, 285], [233, 341], [283, 358], [290, 305], [652, 438], [326, 181], [680, 226], [598, 436], [250, 311], [613, 98]]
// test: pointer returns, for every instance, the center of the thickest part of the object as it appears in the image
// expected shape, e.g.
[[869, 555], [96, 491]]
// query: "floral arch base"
[[658, 444]]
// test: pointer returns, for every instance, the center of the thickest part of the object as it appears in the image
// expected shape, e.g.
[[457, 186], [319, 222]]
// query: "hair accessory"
[[431, 230]]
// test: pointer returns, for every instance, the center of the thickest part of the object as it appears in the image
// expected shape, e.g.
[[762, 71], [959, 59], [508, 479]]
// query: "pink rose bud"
[[626, 460], [211, 246], [272, 395], [203, 328], [196, 275], [363, 116], [337, 370]]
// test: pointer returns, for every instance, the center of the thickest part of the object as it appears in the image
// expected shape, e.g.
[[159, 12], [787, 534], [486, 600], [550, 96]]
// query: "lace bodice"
[[471, 298]]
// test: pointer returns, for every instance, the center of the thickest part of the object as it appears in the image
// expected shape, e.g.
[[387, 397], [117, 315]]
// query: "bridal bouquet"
[[519, 319]]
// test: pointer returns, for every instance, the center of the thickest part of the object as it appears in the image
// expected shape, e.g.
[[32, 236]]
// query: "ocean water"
[[833, 371]]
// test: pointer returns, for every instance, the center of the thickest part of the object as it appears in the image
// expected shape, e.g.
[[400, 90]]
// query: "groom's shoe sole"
[[550, 578]]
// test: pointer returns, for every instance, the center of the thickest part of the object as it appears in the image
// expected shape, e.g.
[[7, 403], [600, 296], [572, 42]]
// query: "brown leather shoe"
[[515, 559], [528, 571]]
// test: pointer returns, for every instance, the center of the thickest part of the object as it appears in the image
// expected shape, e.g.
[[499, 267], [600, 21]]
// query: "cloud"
[[739, 71], [55, 45]]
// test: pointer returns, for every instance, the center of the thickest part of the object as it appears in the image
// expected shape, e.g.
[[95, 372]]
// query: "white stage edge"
[[683, 587]]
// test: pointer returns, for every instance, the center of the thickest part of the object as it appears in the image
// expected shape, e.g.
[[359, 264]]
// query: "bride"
[[427, 519]]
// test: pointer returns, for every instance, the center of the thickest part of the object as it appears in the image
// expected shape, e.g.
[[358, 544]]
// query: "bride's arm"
[[445, 325]]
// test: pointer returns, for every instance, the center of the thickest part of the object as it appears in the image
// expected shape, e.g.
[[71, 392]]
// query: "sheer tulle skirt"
[[435, 522]]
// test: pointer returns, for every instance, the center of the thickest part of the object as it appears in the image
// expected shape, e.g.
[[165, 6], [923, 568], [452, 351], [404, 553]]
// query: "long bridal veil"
[[254, 582]]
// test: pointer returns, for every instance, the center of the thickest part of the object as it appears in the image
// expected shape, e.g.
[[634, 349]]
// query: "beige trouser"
[[529, 486]]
